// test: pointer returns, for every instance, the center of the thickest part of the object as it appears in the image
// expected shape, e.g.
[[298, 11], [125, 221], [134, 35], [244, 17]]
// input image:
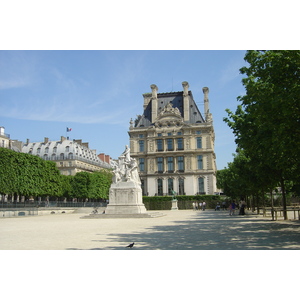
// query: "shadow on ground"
[[211, 230]]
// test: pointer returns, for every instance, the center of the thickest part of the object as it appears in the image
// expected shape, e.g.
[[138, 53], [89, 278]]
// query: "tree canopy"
[[28, 175], [267, 123]]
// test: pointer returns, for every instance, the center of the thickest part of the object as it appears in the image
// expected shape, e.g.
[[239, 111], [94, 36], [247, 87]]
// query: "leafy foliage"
[[267, 123], [28, 175]]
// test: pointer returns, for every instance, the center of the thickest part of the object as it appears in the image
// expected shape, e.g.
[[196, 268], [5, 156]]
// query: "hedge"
[[184, 202]]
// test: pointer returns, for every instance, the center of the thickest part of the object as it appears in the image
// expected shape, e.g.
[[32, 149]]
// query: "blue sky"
[[96, 93]]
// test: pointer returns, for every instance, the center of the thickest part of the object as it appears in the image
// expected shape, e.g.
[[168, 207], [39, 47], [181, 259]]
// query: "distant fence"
[[37, 204]]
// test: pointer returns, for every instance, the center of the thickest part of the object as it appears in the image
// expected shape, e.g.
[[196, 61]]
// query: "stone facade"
[[70, 156], [174, 145]]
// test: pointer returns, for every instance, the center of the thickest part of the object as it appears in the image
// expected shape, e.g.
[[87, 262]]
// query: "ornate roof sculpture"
[[158, 106], [169, 116]]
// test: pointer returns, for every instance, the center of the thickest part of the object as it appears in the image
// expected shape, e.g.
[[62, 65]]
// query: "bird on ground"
[[130, 245]]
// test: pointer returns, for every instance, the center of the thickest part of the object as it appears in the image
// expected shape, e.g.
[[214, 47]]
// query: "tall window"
[[199, 142], [142, 145], [180, 163], [180, 144], [201, 185], [200, 162], [67, 148], [143, 187], [170, 164], [160, 164], [159, 187], [181, 186], [170, 144], [159, 145], [142, 164], [170, 186]]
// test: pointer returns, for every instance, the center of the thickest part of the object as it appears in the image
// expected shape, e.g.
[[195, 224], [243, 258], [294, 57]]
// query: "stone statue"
[[173, 195], [126, 169], [125, 193]]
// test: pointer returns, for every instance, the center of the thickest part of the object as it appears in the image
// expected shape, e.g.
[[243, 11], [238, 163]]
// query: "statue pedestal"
[[125, 198], [174, 204]]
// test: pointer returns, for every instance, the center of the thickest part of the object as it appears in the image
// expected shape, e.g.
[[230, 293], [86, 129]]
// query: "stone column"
[[186, 102], [154, 100], [206, 102]]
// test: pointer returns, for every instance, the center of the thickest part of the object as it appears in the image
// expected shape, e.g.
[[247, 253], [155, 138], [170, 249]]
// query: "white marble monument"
[[125, 194]]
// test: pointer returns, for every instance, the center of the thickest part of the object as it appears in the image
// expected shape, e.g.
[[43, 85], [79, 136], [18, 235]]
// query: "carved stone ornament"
[[169, 116], [126, 169]]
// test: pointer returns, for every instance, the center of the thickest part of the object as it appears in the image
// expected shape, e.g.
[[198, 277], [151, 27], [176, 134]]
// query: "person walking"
[[242, 207], [232, 208], [203, 205], [194, 206]]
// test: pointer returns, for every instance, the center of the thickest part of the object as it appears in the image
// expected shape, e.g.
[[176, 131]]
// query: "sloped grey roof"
[[176, 99], [66, 149]]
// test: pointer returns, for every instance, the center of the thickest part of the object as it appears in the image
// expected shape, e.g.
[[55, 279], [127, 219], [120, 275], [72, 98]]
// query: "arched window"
[[67, 148], [62, 156], [70, 156], [201, 185], [170, 186], [181, 186], [159, 187]]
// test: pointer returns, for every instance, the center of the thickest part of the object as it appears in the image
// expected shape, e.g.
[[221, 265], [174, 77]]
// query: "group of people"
[[233, 207], [199, 206]]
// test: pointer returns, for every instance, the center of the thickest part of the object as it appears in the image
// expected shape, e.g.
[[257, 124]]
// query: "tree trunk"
[[283, 199]]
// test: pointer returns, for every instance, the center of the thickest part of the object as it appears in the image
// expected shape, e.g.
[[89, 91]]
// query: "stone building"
[[71, 156], [174, 144], [4, 138], [7, 142]]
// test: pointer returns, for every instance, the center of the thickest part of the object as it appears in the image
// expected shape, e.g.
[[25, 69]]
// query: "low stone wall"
[[19, 212]]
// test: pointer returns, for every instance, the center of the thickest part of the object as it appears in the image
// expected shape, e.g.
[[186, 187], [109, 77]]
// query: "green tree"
[[267, 123], [80, 185]]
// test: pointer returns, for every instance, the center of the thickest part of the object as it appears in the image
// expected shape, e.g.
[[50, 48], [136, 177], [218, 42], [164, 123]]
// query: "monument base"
[[154, 214], [174, 204], [125, 198]]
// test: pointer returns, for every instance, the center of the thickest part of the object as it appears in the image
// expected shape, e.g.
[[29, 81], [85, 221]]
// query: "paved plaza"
[[177, 230]]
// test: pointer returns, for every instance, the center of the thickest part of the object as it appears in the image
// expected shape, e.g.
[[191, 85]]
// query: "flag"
[[69, 129]]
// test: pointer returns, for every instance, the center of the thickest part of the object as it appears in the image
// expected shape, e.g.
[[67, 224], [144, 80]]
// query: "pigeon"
[[130, 245]]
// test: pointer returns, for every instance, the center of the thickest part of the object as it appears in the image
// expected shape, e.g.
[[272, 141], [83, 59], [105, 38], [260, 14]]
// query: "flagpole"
[[68, 130]]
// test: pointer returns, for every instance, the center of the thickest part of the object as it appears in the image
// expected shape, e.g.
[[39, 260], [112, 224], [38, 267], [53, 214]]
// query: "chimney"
[[186, 101], [107, 159], [206, 102], [101, 156], [62, 138], [154, 89], [27, 141], [46, 140]]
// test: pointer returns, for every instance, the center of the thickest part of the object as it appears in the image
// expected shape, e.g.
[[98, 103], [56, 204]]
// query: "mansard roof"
[[176, 100], [64, 149]]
